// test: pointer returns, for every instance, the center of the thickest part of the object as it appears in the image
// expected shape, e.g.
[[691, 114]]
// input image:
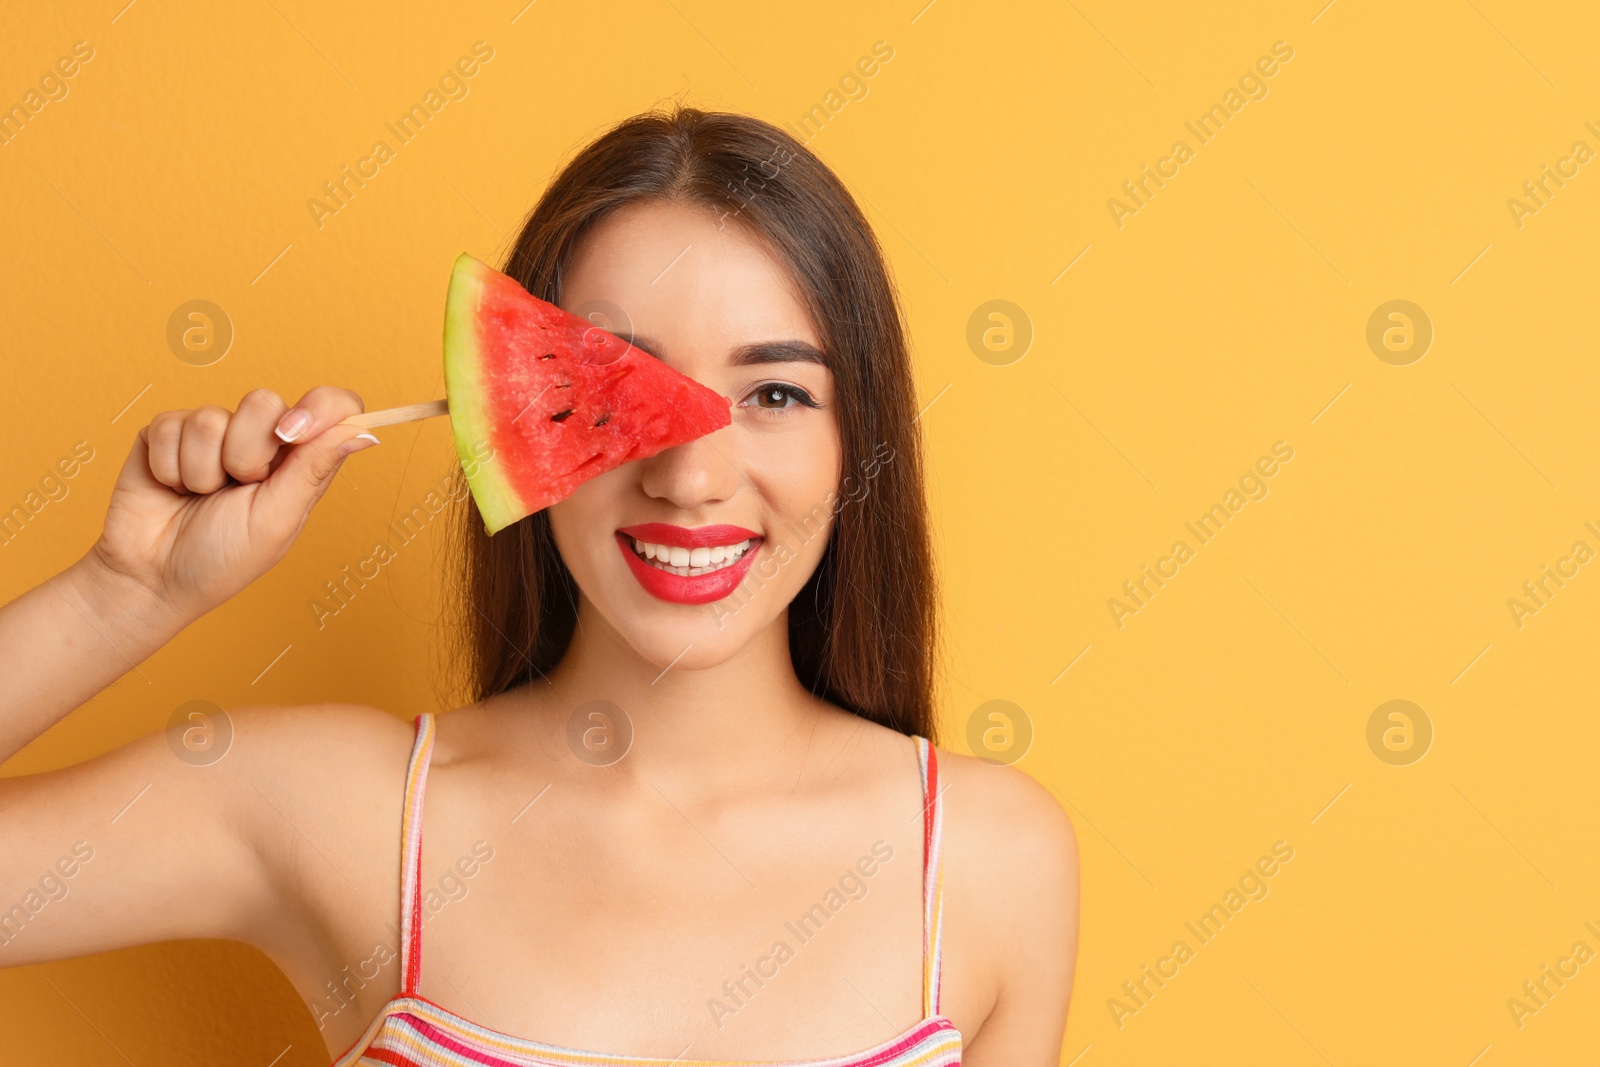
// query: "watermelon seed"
[[603, 420], [560, 415]]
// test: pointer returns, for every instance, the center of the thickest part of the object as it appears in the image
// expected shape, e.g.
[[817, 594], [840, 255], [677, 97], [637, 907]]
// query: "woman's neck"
[[712, 725]]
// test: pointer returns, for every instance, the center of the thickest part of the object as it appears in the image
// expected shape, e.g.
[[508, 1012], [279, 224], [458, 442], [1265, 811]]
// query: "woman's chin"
[[670, 636], [687, 648], [685, 621]]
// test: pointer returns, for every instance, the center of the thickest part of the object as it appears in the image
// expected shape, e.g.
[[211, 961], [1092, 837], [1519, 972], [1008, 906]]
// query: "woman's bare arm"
[[139, 845], [286, 843], [68, 638]]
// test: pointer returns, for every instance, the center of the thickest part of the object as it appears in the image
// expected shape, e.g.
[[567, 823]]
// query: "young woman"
[[689, 815]]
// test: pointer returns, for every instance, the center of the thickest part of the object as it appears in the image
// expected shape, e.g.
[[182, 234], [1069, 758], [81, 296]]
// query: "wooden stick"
[[408, 413]]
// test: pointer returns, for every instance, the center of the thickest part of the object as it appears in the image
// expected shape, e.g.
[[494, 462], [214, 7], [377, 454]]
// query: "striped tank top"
[[412, 1031]]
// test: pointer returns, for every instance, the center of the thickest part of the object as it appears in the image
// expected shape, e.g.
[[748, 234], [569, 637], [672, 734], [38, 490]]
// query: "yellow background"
[[1226, 315]]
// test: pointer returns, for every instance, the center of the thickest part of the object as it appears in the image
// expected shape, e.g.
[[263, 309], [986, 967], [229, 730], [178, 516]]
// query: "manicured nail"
[[357, 443], [293, 424]]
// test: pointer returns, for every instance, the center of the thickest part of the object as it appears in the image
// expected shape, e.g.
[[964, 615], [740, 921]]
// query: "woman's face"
[[741, 516]]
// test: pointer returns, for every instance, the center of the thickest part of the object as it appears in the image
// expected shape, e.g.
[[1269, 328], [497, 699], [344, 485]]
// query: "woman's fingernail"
[[357, 443], [293, 424]]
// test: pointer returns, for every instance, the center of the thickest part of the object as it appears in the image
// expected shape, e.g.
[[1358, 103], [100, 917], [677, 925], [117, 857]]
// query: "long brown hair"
[[862, 630]]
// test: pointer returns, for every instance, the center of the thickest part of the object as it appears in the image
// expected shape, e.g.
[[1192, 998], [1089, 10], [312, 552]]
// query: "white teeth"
[[689, 562]]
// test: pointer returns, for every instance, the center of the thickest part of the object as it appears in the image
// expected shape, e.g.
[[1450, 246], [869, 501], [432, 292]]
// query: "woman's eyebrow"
[[790, 351]]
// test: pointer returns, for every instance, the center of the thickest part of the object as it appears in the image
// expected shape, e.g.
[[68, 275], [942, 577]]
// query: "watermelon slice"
[[542, 400]]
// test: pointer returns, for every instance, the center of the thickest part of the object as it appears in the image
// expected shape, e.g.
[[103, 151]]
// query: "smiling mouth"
[[691, 562]]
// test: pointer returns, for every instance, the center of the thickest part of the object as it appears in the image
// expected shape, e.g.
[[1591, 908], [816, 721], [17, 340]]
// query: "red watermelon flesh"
[[542, 400]]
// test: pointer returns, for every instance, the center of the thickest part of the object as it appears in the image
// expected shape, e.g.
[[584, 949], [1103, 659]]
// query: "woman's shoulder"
[[310, 754], [313, 793], [316, 733], [1007, 819], [1010, 885]]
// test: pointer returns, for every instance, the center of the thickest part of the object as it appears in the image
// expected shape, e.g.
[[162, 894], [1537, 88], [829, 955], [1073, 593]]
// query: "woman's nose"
[[693, 474]]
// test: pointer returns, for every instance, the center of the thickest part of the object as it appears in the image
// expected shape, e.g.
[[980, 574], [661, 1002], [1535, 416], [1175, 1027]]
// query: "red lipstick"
[[664, 533], [687, 589]]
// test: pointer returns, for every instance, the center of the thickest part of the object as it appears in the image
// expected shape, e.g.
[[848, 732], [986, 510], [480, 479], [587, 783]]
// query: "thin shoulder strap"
[[411, 859], [932, 878]]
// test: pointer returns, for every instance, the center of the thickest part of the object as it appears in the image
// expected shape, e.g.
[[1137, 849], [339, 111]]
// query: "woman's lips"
[[665, 533], [693, 546]]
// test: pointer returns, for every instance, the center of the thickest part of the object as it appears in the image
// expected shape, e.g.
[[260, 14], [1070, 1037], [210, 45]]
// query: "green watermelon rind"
[[498, 502]]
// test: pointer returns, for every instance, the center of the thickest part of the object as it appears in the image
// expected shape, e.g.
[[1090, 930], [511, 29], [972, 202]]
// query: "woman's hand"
[[209, 500]]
